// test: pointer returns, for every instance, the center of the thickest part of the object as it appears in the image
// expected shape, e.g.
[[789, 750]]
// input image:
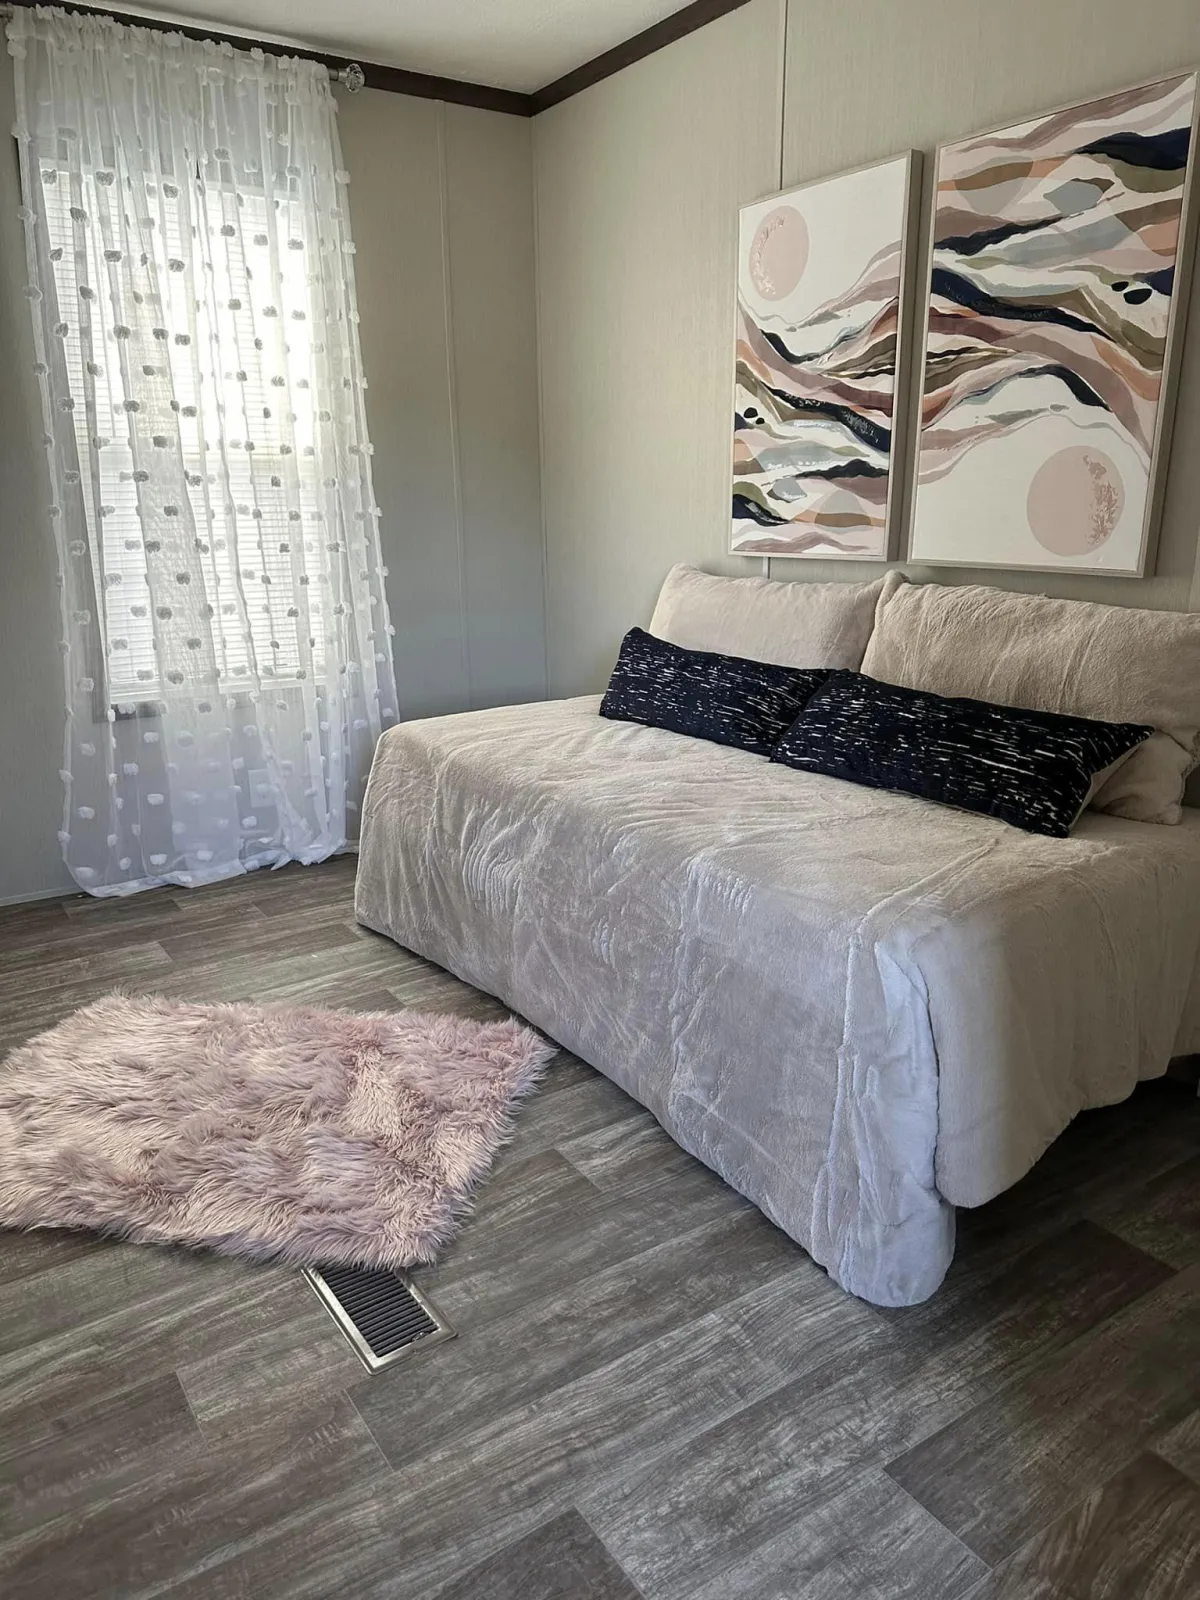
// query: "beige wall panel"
[[392, 147], [489, 220], [31, 675], [638, 181]]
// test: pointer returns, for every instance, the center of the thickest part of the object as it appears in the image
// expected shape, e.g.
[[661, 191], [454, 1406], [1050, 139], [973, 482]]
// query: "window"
[[256, 504], [226, 653]]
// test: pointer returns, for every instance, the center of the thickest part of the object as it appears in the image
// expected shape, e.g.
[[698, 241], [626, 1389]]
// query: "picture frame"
[[1077, 460], [823, 363]]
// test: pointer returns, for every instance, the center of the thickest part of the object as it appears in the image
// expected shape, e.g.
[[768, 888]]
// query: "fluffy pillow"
[[1034, 769], [1072, 656], [791, 624], [746, 704]]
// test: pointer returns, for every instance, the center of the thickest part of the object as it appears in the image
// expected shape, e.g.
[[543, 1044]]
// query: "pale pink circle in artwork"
[[1075, 501], [779, 252]]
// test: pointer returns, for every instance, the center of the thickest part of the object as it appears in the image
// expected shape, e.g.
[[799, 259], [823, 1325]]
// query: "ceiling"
[[509, 44]]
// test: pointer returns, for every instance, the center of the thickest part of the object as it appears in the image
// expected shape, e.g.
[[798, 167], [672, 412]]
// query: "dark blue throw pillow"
[[725, 699], [1034, 769]]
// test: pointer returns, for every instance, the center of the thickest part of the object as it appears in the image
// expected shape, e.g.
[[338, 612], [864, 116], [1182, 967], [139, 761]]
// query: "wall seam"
[[785, 17], [785, 24], [452, 398], [541, 408]]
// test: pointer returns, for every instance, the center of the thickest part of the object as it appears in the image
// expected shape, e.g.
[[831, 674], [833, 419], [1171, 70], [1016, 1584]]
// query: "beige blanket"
[[861, 1009]]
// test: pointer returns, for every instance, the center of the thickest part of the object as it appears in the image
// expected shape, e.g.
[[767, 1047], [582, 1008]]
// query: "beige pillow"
[[791, 624], [1110, 662]]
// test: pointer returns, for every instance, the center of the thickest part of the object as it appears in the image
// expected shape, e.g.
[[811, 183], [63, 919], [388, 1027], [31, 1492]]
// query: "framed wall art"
[[1055, 308], [822, 351]]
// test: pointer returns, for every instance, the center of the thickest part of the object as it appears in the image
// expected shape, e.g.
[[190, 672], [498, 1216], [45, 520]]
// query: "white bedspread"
[[860, 1008]]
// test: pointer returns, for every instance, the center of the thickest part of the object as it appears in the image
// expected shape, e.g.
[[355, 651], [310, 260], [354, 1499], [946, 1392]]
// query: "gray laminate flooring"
[[654, 1392]]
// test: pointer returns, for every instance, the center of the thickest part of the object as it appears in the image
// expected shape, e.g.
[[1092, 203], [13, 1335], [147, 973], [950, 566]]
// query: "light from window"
[[256, 510]]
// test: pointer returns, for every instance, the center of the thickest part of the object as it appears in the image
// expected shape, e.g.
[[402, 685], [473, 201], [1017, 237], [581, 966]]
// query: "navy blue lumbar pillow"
[[725, 699], [1034, 769]]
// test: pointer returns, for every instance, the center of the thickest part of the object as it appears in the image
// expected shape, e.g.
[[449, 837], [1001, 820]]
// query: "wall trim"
[[427, 86], [30, 897], [646, 43]]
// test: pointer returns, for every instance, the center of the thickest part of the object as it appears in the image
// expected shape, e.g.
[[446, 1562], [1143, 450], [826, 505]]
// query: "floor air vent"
[[382, 1316]]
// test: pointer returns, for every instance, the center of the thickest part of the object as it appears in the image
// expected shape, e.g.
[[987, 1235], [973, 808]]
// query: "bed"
[[861, 1009]]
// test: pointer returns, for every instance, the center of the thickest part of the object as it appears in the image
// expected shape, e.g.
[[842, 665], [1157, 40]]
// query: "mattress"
[[861, 1009]]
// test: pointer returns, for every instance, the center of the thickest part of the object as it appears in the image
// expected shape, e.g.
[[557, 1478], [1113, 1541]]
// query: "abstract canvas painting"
[[1054, 308], [821, 344]]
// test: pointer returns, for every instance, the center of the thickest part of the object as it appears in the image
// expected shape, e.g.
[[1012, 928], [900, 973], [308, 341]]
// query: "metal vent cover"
[[380, 1313]]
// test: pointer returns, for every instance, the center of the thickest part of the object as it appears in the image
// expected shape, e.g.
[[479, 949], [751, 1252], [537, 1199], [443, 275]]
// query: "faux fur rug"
[[260, 1131]]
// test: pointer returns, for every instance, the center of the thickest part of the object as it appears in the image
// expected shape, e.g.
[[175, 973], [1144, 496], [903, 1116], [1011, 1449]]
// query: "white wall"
[[442, 211], [638, 181]]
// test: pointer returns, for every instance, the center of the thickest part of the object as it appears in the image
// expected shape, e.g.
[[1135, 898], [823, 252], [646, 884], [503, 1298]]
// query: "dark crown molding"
[[426, 86], [676, 26]]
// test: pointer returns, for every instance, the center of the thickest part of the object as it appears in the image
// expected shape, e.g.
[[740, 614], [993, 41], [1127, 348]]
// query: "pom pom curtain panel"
[[226, 646]]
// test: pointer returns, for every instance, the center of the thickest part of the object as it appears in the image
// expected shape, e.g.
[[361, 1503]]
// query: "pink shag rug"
[[280, 1132]]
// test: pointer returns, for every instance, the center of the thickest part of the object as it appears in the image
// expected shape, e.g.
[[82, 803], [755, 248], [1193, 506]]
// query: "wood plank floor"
[[654, 1393]]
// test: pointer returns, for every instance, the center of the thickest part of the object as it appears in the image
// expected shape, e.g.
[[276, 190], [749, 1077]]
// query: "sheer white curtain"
[[226, 649]]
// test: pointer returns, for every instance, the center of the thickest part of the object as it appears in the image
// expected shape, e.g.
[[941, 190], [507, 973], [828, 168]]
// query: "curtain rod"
[[352, 75]]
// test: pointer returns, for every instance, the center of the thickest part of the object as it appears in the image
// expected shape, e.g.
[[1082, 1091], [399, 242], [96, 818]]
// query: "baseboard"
[[38, 894]]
